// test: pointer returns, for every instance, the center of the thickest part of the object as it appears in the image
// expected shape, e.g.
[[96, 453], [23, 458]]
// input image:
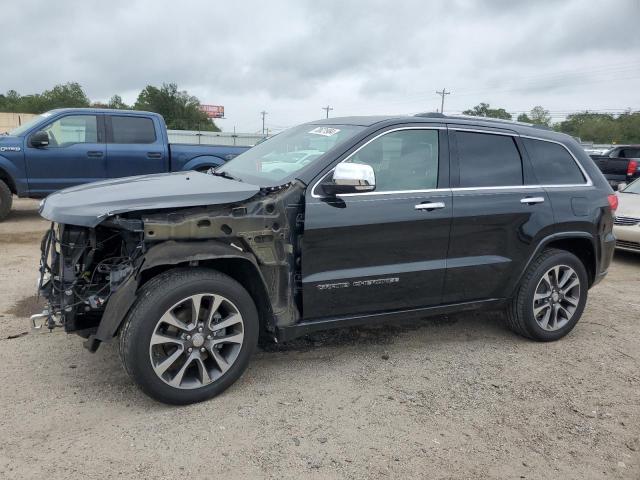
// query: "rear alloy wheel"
[[551, 296], [556, 298], [189, 336]]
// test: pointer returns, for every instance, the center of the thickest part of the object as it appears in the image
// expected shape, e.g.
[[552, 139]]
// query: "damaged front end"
[[80, 268], [90, 275]]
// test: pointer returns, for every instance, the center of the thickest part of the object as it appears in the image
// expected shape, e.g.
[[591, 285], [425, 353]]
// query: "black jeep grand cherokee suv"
[[333, 223]]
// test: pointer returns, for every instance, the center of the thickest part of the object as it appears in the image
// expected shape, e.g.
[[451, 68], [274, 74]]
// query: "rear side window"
[[132, 130], [552, 163], [488, 160]]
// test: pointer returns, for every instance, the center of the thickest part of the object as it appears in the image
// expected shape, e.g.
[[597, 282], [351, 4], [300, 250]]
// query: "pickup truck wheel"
[[6, 200], [551, 297], [189, 336]]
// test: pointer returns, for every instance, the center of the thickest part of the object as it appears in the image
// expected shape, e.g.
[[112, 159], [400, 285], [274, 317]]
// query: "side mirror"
[[39, 139], [621, 186], [350, 178]]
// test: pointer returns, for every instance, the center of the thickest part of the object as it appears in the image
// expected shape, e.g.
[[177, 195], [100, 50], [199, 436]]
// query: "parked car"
[[620, 164], [73, 146], [626, 225], [399, 217]]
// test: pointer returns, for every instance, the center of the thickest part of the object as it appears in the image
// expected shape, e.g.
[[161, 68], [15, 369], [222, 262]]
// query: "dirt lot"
[[445, 398]]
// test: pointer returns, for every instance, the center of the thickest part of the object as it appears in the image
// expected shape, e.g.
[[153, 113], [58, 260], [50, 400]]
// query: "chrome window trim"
[[588, 183], [313, 190], [491, 132]]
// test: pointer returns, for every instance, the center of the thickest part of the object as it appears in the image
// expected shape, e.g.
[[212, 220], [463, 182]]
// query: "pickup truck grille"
[[626, 221], [628, 245]]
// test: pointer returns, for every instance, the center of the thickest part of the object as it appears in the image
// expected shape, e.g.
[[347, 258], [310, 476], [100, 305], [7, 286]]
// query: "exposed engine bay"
[[85, 269]]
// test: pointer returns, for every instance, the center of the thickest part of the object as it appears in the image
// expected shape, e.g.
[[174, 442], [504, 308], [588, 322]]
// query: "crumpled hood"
[[88, 205]]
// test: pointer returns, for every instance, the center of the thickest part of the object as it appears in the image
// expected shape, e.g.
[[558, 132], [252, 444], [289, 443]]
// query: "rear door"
[[499, 212], [383, 250], [134, 146], [75, 154]]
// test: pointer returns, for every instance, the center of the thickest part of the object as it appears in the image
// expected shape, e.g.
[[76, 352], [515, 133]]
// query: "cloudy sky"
[[292, 57]]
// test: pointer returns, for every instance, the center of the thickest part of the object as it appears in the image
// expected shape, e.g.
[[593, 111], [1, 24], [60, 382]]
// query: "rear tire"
[[550, 298], [6, 200], [189, 336]]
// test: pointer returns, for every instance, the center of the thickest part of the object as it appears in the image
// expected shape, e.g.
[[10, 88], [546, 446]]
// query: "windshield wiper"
[[225, 175]]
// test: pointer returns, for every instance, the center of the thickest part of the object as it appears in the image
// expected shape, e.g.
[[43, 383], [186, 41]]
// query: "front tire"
[[551, 297], [6, 200], [189, 336]]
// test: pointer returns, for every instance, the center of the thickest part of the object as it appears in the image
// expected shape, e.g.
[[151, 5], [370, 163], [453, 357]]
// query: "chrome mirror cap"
[[357, 177]]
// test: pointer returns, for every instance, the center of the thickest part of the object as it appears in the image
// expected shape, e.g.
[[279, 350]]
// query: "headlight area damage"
[[91, 276]]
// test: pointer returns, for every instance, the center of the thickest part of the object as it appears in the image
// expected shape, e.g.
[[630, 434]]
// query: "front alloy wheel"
[[196, 341], [189, 335]]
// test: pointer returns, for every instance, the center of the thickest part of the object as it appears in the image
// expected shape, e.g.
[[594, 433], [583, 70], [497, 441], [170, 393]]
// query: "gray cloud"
[[291, 57]]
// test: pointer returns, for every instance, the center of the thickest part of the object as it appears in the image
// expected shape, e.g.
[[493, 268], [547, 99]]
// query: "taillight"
[[632, 167], [613, 202]]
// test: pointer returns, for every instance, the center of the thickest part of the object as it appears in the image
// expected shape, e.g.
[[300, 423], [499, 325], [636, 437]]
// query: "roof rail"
[[430, 115], [483, 119]]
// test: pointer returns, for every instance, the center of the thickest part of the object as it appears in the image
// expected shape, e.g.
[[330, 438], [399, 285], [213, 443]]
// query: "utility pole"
[[442, 94], [264, 114], [327, 109]]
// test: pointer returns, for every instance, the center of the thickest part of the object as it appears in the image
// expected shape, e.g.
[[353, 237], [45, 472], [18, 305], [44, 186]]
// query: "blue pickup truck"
[[72, 146]]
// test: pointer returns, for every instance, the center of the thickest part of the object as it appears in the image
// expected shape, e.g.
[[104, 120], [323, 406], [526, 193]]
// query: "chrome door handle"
[[429, 206], [532, 200]]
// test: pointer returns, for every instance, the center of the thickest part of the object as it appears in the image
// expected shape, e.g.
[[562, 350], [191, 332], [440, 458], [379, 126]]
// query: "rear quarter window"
[[552, 163], [132, 130]]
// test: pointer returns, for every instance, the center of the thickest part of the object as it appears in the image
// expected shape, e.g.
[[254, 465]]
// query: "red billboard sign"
[[213, 111]]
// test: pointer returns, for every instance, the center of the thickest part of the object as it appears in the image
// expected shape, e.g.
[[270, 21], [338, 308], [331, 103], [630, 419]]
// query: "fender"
[[15, 175], [546, 241], [203, 161], [167, 253]]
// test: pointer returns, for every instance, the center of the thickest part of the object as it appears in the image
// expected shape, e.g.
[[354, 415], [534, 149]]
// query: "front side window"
[[72, 129], [552, 163], [402, 160], [132, 130], [488, 160]]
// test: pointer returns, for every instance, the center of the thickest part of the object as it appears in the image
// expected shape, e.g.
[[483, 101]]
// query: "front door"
[[76, 154], [383, 250]]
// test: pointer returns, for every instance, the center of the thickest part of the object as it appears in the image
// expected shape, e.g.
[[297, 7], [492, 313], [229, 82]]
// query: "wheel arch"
[[202, 162], [241, 266], [580, 244]]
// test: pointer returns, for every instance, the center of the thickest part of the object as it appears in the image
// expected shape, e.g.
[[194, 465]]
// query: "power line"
[[442, 94], [327, 109]]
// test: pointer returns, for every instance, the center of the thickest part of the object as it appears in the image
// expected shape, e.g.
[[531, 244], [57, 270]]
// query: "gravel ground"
[[457, 397]]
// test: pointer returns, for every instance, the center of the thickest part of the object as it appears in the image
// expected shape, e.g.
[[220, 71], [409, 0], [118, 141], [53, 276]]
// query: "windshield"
[[285, 154], [633, 187], [23, 128]]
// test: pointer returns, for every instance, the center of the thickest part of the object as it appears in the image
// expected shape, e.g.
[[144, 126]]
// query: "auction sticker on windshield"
[[325, 131]]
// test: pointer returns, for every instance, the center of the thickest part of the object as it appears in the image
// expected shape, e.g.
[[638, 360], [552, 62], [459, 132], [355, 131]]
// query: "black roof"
[[521, 128]]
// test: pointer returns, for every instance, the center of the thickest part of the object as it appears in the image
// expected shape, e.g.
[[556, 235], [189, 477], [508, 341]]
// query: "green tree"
[[484, 110], [66, 95], [537, 116], [117, 103], [180, 110]]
